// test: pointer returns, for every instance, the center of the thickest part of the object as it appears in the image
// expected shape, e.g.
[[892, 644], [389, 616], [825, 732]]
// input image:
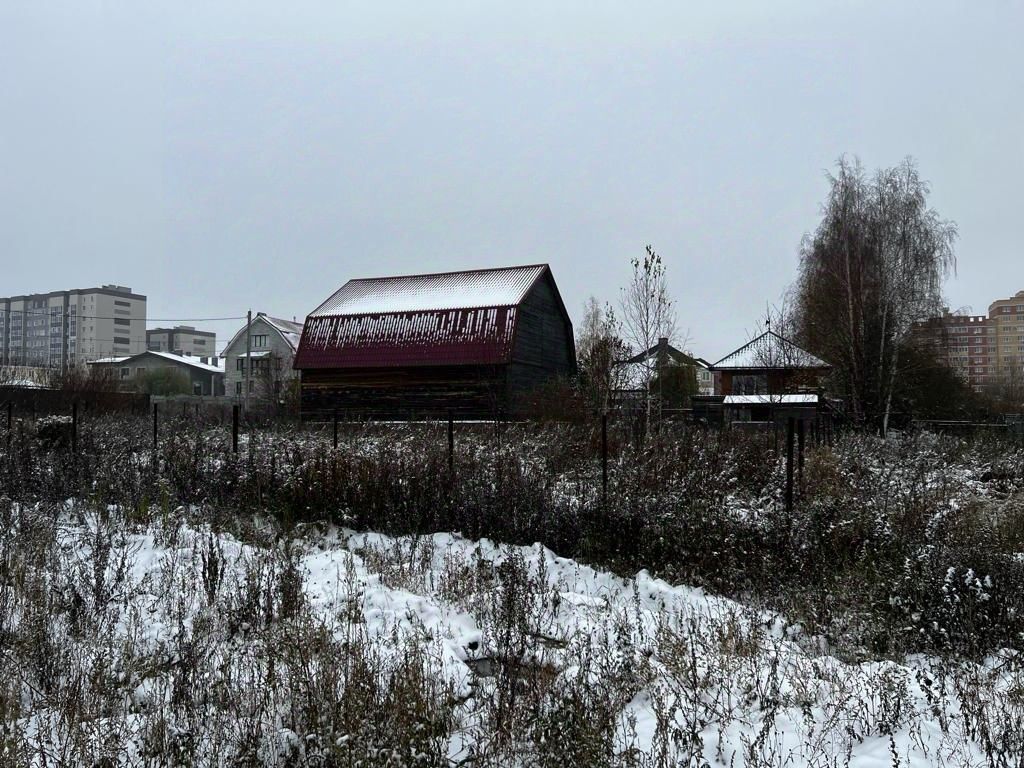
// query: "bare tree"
[[599, 346], [648, 314], [873, 269]]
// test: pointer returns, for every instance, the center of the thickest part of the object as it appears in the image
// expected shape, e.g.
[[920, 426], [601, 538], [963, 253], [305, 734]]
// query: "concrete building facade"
[[968, 344], [1006, 317], [67, 328], [183, 339], [985, 350]]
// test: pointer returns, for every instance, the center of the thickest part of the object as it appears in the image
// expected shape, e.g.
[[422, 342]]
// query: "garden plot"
[[163, 643]]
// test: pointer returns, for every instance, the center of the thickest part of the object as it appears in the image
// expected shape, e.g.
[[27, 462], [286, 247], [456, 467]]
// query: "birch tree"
[[873, 268], [599, 347], [648, 314]]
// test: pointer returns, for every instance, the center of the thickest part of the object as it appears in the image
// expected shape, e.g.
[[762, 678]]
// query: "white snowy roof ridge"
[[191, 361], [770, 350], [435, 292]]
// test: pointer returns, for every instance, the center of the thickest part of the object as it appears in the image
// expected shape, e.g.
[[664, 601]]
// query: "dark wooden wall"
[[413, 392], [543, 345]]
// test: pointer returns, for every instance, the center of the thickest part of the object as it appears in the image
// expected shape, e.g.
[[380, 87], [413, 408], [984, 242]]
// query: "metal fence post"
[[335, 429], [156, 425], [74, 427], [789, 463], [800, 452], [451, 444], [604, 457], [234, 428]]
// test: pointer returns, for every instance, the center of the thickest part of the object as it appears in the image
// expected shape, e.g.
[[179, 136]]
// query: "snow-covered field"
[[157, 642]]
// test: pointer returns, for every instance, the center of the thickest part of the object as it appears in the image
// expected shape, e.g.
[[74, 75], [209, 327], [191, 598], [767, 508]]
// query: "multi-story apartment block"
[[182, 339], [985, 350], [966, 342], [1007, 319], [67, 328]]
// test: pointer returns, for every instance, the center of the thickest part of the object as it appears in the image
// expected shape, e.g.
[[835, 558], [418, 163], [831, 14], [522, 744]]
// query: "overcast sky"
[[225, 156]]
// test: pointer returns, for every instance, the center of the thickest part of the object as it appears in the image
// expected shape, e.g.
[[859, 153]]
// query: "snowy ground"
[[181, 640]]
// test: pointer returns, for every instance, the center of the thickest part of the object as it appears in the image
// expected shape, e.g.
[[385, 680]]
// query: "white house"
[[271, 347]]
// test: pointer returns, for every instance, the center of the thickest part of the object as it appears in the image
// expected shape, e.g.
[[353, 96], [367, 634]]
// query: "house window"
[[240, 364], [238, 387], [259, 340], [126, 372], [750, 385]]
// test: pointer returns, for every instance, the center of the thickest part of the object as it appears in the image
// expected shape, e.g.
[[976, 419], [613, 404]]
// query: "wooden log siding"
[[543, 346], [423, 392]]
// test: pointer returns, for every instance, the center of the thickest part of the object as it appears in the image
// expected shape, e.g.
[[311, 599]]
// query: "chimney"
[[662, 351]]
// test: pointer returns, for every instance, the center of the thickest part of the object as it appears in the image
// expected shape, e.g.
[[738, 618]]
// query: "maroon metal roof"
[[455, 318]]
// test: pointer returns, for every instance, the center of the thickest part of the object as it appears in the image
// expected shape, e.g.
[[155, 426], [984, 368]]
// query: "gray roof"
[[674, 354], [289, 330], [769, 351]]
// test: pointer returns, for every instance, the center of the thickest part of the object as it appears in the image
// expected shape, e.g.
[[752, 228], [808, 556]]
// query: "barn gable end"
[[543, 346]]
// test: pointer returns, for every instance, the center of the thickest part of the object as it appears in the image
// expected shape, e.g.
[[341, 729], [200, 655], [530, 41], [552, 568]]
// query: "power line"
[[44, 313]]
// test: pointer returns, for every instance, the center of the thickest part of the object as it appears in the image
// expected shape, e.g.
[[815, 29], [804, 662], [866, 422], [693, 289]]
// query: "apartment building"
[[182, 339], [986, 350], [1007, 320], [67, 328], [968, 344]]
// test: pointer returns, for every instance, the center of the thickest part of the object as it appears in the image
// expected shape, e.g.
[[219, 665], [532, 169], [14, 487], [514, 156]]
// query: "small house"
[[164, 373], [769, 379]]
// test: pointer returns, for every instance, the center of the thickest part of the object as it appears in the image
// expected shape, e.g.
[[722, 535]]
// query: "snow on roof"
[[770, 350], [451, 318], [185, 359], [22, 384], [289, 330], [502, 287], [191, 361], [770, 399]]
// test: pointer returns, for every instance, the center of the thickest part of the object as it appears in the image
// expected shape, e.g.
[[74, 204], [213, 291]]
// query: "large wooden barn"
[[473, 344]]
